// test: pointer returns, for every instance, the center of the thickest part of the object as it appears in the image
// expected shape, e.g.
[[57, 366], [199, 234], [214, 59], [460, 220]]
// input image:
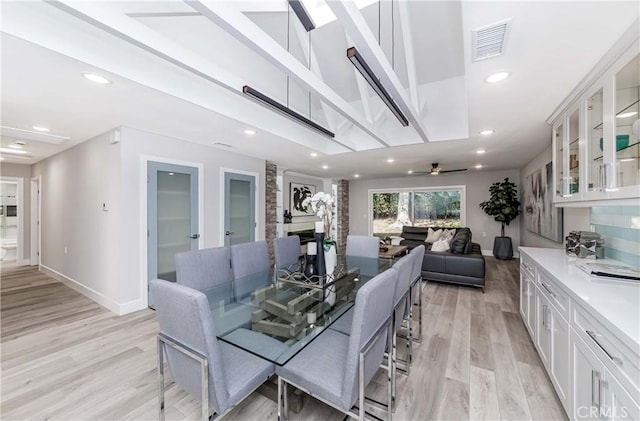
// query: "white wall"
[[135, 144], [24, 172], [477, 190], [105, 255], [75, 184], [573, 218]]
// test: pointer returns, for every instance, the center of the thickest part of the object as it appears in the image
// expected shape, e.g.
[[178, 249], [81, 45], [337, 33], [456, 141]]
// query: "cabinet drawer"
[[623, 363], [527, 267], [557, 296]]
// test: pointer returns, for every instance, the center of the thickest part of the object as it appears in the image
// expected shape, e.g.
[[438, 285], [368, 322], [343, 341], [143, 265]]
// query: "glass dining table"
[[275, 314]]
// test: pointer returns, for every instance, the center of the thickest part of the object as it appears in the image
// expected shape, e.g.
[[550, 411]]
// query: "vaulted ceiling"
[[178, 68]]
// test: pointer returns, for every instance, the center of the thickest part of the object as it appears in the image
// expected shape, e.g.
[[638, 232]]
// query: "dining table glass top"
[[275, 314]]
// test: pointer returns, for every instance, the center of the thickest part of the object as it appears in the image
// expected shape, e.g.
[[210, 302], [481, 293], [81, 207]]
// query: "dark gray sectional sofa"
[[462, 264]]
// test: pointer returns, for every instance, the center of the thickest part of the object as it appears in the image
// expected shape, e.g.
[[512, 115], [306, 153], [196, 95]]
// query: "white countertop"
[[617, 303]]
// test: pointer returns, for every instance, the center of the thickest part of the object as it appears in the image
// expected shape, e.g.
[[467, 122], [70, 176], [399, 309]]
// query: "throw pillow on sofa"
[[448, 235], [433, 236], [461, 242], [440, 245]]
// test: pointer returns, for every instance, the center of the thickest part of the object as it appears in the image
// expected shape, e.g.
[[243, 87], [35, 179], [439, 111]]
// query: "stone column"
[[271, 204], [343, 214]]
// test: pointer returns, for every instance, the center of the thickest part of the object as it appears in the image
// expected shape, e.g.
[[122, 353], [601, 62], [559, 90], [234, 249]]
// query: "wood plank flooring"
[[66, 358]]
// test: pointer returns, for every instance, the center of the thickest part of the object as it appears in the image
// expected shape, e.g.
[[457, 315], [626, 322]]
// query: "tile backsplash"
[[620, 228]]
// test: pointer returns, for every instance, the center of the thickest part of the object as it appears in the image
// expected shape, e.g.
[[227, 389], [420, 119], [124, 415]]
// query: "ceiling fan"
[[435, 170]]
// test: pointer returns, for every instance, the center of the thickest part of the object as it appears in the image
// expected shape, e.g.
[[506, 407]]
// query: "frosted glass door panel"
[[174, 220], [628, 124], [240, 222], [172, 216]]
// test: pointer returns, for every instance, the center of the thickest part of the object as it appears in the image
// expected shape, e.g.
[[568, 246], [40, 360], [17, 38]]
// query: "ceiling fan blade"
[[461, 169], [420, 173]]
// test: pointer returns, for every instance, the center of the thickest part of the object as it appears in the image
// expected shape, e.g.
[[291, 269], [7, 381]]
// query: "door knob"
[[194, 236], [229, 232]]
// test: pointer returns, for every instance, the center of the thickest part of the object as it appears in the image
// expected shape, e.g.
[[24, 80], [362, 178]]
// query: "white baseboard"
[[113, 306], [516, 254]]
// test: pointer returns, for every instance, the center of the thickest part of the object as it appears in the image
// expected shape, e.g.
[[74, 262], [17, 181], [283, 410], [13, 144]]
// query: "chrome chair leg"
[[160, 380], [418, 338], [283, 400]]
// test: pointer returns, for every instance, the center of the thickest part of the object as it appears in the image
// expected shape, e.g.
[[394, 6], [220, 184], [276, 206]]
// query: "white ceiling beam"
[[302, 35], [407, 40], [128, 29], [362, 89], [232, 20], [355, 25]]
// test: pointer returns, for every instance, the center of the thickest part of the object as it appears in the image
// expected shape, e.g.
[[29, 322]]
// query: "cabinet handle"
[[553, 294], [602, 384], [602, 177], [594, 337], [595, 375]]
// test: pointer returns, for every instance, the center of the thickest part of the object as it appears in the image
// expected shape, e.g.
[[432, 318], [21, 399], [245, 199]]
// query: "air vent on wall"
[[489, 41]]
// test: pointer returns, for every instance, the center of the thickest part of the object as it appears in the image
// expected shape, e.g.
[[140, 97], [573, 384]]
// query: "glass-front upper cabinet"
[[573, 140], [596, 133], [594, 142], [559, 166], [627, 124]]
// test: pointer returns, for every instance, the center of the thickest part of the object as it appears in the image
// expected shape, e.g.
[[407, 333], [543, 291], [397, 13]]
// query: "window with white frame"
[[391, 209]]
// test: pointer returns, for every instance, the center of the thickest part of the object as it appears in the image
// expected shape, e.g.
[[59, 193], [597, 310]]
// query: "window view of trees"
[[393, 210]]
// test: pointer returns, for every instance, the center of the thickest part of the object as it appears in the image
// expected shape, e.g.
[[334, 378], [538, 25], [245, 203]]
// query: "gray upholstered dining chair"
[[362, 251], [401, 298], [219, 374], [416, 289], [286, 251], [336, 368], [204, 269], [363, 246], [251, 266]]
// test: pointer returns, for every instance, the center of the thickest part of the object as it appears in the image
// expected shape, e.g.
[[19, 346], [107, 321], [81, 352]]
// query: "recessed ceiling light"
[[13, 151], [625, 115], [487, 132], [172, 173], [481, 151], [325, 166], [356, 175], [497, 77], [40, 129], [410, 172], [96, 78], [249, 132], [390, 160], [14, 146], [478, 166], [313, 154]]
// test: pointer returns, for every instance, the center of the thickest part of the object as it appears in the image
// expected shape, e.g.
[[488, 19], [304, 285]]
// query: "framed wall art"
[[297, 193]]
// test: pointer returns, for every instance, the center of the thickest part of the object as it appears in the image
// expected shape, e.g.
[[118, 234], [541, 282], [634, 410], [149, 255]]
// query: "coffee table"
[[393, 252]]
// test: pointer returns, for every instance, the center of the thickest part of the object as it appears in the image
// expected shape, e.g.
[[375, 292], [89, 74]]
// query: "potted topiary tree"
[[504, 206]]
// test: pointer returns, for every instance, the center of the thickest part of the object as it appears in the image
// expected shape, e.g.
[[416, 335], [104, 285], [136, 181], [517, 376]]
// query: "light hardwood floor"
[[65, 357]]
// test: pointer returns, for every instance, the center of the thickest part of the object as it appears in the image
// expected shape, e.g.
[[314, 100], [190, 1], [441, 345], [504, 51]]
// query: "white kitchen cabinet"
[[543, 328], [597, 394], [588, 373], [560, 356], [596, 151], [586, 332], [527, 295], [552, 339], [617, 404]]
